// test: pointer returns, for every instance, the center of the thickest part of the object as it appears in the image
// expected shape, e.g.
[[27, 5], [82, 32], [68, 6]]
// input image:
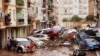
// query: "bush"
[[76, 18], [51, 18], [64, 20], [90, 18]]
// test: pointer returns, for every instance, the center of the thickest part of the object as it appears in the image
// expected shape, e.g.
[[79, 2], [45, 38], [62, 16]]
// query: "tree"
[[75, 18], [90, 18], [64, 20], [51, 18]]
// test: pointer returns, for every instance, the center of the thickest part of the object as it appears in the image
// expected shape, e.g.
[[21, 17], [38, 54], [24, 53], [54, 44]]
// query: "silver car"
[[21, 45]]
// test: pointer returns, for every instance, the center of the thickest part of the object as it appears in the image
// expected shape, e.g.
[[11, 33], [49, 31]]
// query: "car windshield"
[[83, 35], [25, 43]]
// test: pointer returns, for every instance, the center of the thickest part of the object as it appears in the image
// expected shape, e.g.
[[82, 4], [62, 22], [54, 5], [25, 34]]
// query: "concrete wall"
[[0, 3], [2, 39]]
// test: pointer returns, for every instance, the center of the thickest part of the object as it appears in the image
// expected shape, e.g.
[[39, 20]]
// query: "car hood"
[[93, 43]]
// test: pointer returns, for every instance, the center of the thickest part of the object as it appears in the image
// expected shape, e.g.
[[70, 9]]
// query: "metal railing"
[[20, 21]]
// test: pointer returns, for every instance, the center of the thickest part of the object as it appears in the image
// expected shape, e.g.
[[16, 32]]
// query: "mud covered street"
[[51, 51], [48, 51], [52, 48]]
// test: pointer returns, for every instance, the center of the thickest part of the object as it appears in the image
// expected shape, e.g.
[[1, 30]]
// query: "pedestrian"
[[12, 43], [8, 43]]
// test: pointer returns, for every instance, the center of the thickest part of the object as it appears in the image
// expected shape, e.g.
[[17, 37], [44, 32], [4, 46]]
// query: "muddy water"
[[59, 51], [49, 51]]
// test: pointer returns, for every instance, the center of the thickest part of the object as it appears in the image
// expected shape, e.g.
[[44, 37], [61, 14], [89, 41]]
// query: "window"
[[37, 10], [65, 11], [70, 2], [85, 1], [85, 7], [66, 2], [14, 14], [57, 1], [80, 12], [10, 13], [70, 8], [33, 8], [0, 12], [80, 1], [70, 13], [85, 13]]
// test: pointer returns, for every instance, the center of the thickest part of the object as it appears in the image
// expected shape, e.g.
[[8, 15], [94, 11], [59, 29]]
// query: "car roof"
[[21, 39]]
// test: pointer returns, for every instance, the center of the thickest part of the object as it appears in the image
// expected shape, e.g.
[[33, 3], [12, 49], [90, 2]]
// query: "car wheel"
[[82, 45], [19, 50]]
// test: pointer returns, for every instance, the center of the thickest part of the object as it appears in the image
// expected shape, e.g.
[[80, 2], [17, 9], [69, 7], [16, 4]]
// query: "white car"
[[42, 31], [21, 45], [40, 36], [35, 41]]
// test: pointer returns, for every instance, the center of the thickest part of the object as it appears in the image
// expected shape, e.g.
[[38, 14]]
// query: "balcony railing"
[[20, 21], [7, 1], [7, 19]]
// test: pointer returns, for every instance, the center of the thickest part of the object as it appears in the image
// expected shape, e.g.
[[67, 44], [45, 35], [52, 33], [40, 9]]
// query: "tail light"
[[31, 46]]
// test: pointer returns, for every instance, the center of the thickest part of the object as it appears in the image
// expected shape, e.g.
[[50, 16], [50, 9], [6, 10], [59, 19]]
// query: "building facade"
[[92, 7], [98, 12], [14, 20], [68, 8], [2, 25]]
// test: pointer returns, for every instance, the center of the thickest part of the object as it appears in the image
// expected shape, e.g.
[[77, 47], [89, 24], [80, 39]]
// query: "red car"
[[53, 34]]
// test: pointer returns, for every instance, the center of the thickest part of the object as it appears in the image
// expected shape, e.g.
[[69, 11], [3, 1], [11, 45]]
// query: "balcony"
[[31, 19], [1, 16], [28, 3], [20, 21], [7, 19], [20, 2], [50, 5], [6, 1]]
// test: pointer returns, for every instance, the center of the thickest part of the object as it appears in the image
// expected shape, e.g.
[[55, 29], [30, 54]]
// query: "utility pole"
[[98, 12]]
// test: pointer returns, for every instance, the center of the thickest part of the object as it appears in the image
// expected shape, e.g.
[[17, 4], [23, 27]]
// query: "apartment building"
[[15, 21], [42, 15], [92, 7], [2, 26], [68, 8], [98, 12], [32, 14]]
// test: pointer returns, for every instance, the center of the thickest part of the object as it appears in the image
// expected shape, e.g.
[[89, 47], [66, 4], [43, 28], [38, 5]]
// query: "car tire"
[[19, 50], [82, 45]]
